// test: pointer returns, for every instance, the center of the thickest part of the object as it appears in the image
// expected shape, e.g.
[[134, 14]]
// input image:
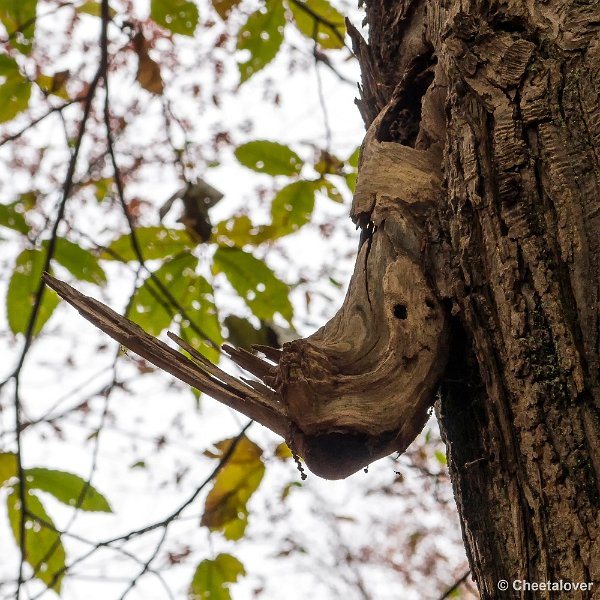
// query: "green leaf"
[[8, 467], [103, 188], [317, 19], [328, 164], [43, 545], [238, 230], [351, 181], [291, 209], [225, 508], [268, 157], [178, 16], [81, 263], [11, 218], [15, 89], [67, 488], [224, 7], [94, 8], [18, 17], [28, 200], [213, 577], [293, 206], [22, 290], [200, 307], [261, 36], [150, 309], [197, 394], [352, 161], [155, 242], [264, 294], [331, 191], [242, 333]]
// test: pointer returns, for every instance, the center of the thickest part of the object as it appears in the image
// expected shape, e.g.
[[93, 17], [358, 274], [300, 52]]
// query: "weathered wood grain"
[[362, 386]]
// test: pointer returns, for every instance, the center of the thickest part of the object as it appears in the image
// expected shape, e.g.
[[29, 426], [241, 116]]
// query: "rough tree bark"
[[515, 253]]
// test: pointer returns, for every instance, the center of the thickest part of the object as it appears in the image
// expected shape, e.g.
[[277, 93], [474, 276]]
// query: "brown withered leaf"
[[223, 7], [148, 73]]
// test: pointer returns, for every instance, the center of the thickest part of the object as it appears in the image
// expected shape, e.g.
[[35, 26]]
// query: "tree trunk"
[[508, 91]]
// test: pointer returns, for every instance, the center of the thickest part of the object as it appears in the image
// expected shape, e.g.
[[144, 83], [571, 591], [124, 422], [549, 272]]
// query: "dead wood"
[[361, 386]]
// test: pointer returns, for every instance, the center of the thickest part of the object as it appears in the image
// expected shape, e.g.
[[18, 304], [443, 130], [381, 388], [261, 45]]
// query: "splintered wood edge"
[[241, 397], [242, 386]]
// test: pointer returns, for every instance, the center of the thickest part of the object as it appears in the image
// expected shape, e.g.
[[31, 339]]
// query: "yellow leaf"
[[283, 451], [225, 508]]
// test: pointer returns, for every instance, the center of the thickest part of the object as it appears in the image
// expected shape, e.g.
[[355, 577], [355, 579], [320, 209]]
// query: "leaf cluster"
[[42, 543]]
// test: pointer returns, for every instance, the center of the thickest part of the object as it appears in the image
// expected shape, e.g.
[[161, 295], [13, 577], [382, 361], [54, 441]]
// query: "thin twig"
[[133, 234], [59, 109], [146, 565], [169, 118], [39, 295], [321, 95], [49, 417], [67, 186], [173, 516], [455, 586], [95, 548], [157, 525], [95, 452]]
